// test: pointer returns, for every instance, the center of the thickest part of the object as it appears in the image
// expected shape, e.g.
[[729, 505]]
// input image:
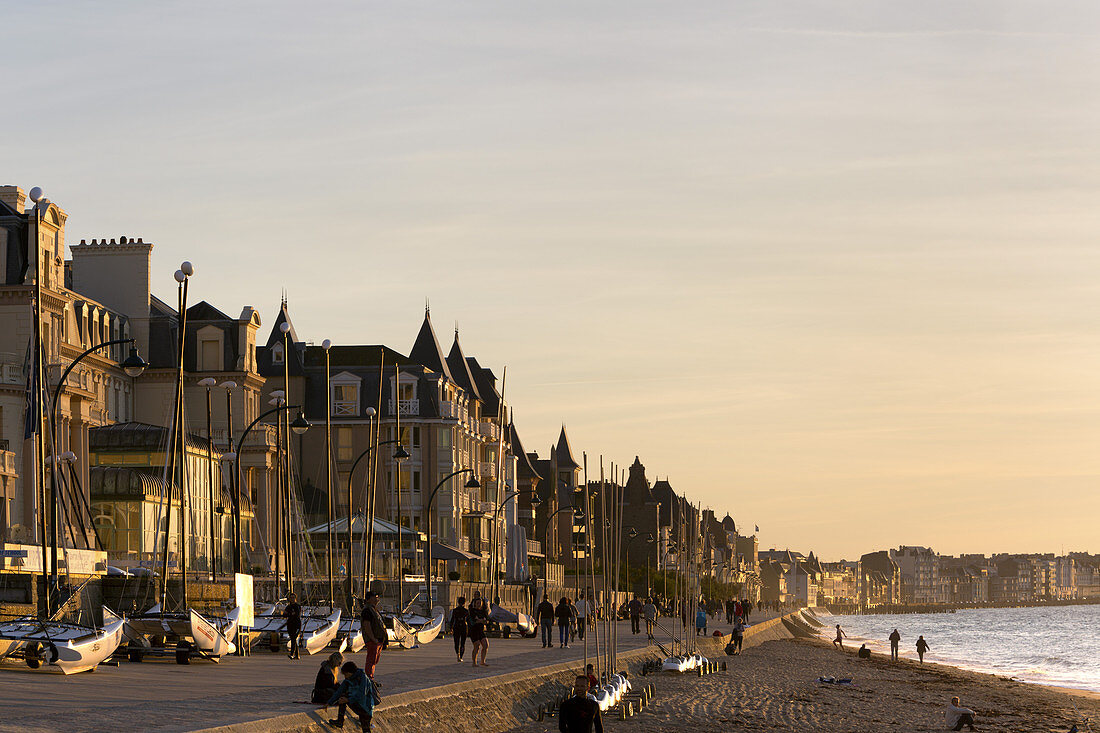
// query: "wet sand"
[[773, 687]]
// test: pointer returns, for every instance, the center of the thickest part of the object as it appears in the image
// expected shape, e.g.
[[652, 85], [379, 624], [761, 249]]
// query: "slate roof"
[[728, 524], [426, 351], [295, 365], [486, 387], [526, 469], [362, 362], [564, 453], [460, 369], [137, 435]]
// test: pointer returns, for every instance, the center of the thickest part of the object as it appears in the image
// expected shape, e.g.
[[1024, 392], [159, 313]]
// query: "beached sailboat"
[[71, 648], [318, 631]]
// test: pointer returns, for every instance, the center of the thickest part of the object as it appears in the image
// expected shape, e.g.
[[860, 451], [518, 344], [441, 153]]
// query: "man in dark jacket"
[[545, 613], [293, 615], [374, 632], [578, 714]]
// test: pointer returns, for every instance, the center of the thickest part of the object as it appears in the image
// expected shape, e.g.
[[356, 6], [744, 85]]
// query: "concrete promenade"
[[161, 695]]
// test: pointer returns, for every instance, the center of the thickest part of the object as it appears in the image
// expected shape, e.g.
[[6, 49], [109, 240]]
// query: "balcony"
[[11, 373], [408, 407], [7, 463], [488, 470], [489, 430], [343, 408], [534, 547], [450, 410]]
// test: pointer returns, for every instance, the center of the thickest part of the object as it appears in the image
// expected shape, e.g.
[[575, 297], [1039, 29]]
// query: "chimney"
[[14, 197], [117, 275]]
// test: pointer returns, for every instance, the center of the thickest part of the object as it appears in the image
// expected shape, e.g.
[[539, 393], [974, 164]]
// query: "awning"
[[441, 551], [382, 529]]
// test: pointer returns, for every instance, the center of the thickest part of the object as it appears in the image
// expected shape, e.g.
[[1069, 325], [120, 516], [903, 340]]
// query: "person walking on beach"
[[701, 622], [958, 716], [838, 642], [922, 647], [635, 609], [374, 632], [479, 616], [545, 613], [738, 635], [293, 615], [578, 714], [460, 627], [895, 639], [355, 692], [564, 615], [649, 611]]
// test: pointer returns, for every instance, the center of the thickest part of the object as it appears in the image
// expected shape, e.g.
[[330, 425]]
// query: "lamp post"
[[133, 365], [231, 479], [633, 533], [326, 345], [367, 521], [648, 588], [210, 382], [237, 540], [535, 501], [577, 514], [473, 483]]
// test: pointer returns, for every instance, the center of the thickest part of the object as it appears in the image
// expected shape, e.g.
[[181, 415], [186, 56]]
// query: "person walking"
[[293, 615], [838, 642], [545, 613], [355, 692], [738, 635], [579, 714], [922, 647], [582, 615], [375, 638], [729, 611], [635, 610], [460, 627], [564, 615], [738, 609], [746, 606], [701, 621], [957, 716], [479, 617], [895, 639], [649, 611]]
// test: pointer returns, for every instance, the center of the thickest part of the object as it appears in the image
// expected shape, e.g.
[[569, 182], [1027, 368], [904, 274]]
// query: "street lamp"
[[368, 521], [648, 589], [577, 515], [133, 365], [472, 483], [629, 538]]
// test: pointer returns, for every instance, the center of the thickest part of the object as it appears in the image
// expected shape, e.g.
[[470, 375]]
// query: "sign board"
[[242, 584], [13, 553]]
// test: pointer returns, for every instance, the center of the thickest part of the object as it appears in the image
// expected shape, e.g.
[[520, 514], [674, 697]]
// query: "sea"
[[1051, 645]]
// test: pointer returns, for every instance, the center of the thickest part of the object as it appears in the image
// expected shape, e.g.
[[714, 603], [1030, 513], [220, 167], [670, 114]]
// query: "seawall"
[[501, 702]]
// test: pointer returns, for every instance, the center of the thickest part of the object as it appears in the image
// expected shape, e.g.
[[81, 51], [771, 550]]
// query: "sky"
[[830, 267]]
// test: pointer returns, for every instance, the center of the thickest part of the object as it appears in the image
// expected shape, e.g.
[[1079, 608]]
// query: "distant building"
[[879, 580], [920, 581]]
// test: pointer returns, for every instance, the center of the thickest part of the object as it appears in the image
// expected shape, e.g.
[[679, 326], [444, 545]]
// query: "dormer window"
[[277, 355], [345, 395]]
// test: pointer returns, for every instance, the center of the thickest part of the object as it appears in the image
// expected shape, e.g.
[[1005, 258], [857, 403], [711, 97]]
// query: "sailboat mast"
[[397, 471]]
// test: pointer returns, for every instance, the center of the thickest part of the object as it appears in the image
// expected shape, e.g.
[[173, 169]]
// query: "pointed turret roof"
[[564, 452], [523, 459], [276, 334], [426, 351], [460, 370], [636, 491], [486, 387]]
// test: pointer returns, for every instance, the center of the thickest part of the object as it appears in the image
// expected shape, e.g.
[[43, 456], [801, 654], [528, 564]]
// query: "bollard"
[[542, 712], [724, 668]]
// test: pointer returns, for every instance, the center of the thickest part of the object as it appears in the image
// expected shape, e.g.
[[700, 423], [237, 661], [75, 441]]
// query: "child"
[[356, 692]]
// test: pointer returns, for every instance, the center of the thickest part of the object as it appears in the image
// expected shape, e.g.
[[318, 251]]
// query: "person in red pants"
[[374, 632]]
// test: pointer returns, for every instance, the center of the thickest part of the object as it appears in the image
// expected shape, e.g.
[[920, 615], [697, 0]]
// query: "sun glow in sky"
[[831, 267]]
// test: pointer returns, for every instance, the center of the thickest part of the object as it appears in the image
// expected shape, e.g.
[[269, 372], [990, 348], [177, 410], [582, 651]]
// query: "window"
[[407, 391], [277, 354], [344, 444], [415, 483], [345, 399], [211, 355], [444, 440], [414, 440]]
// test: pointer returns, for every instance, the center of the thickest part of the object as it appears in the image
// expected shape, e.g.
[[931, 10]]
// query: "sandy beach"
[[774, 687]]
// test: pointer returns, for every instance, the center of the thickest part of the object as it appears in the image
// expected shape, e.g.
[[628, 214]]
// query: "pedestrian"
[[479, 617], [460, 627], [746, 607], [579, 714], [564, 615], [958, 716], [635, 609], [582, 615], [922, 647], [838, 642], [572, 621], [729, 611], [649, 611], [700, 621], [590, 673], [545, 613], [895, 639], [293, 615], [738, 634], [375, 638], [328, 679], [356, 692]]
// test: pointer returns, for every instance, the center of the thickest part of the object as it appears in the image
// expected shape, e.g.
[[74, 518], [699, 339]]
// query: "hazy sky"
[[831, 267]]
